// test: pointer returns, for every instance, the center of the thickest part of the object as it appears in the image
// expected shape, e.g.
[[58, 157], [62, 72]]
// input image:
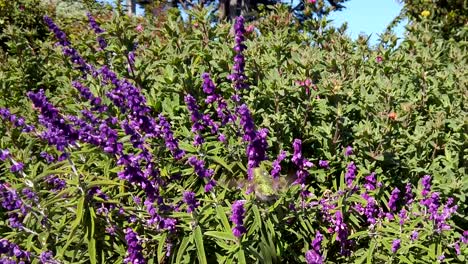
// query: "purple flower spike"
[[348, 151], [210, 185], [17, 167], [275, 172], [370, 182], [237, 218], [426, 183], [396, 245], [324, 164], [191, 201], [313, 256], [393, 199], [350, 175], [98, 30], [238, 76], [4, 154], [134, 248]]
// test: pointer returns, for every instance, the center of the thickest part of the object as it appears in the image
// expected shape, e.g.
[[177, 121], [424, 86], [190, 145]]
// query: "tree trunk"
[[131, 7], [233, 8], [223, 9], [245, 8]]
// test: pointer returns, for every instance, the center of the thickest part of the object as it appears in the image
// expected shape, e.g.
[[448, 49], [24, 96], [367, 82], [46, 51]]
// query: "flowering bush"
[[157, 148]]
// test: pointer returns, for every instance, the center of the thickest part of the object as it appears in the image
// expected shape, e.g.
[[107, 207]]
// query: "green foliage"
[[401, 107], [449, 16]]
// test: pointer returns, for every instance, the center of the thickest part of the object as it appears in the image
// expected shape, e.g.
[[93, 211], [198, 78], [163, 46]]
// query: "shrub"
[[164, 144]]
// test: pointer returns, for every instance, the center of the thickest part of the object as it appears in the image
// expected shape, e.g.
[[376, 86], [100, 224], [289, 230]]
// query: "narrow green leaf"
[[162, 242], [241, 257], [199, 244], [222, 216], [76, 223], [221, 235], [181, 251]]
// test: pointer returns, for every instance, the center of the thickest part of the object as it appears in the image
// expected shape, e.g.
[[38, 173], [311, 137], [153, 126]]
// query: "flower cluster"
[[11, 250], [13, 204], [237, 218], [199, 122], [257, 144], [191, 201], [134, 254], [313, 256], [59, 132], [238, 76], [223, 113], [98, 30], [16, 121], [350, 175], [302, 163], [275, 171]]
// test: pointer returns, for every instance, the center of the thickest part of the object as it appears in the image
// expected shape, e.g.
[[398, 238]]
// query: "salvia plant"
[[259, 143]]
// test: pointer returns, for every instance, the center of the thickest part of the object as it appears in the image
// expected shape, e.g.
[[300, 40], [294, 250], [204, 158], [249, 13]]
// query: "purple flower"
[[313, 257], [302, 163], [441, 258], [47, 257], [350, 175], [414, 235], [237, 218], [210, 185], [199, 167], [60, 35], [208, 85], [4, 154], [403, 214], [98, 30], [171, 142], [464, 238], [409, 196], [13, 250], [238, 76], [371, 182], [348, 151], [426, 183], [191, 201], [342, 232], [324, 164], [457, 248], [17, 167], [57, 183], [396, 245], [275, 172], [134, 248], [393, 199], [222, 138]]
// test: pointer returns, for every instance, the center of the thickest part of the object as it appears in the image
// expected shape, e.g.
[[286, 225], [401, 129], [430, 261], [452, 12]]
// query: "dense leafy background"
[[402, 108]]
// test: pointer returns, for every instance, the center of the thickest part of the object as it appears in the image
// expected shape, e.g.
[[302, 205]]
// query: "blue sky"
[[369, 17]]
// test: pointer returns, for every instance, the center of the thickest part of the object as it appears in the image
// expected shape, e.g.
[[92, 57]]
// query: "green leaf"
[[76, 223], [222, 216], [199, 244], [91, 240], [241, 257], [162, 242], [181, 251], [370, 253], [221, 235]]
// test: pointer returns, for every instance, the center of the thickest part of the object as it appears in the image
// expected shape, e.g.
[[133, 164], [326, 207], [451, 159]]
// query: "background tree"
[[229, 9]]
